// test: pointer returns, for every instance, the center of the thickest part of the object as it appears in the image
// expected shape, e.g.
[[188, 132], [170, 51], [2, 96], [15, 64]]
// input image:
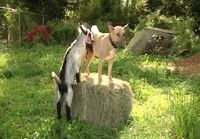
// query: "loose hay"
[[106, 104]]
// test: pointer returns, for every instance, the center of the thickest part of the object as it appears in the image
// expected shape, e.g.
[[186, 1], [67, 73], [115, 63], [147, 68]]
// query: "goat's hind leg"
[[68, 112], [59, 105], [69, 97]]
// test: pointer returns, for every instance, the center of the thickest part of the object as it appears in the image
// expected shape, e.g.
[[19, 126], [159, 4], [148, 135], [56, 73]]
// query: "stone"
[[105, 104], [151, 41]]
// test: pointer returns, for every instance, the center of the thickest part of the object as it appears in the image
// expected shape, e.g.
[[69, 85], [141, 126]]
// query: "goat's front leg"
[[78, 80], [78, 75], [110, 64], [100, 65]]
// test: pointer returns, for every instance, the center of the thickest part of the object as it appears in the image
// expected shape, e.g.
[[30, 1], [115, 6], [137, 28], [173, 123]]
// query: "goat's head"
[[88, 34]]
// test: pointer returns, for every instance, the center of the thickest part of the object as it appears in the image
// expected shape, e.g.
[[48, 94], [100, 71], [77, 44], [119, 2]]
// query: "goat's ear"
[[83, 29], [125, 27], [110, 27]]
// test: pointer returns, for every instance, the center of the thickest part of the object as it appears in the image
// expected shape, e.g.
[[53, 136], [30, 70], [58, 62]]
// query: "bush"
[[182, 27], [155, 19], [102, 26], [90, 11], [62, 31], [39, 34]]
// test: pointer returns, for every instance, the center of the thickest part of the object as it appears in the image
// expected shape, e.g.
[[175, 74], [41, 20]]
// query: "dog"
[[70, 70], [105, 46]]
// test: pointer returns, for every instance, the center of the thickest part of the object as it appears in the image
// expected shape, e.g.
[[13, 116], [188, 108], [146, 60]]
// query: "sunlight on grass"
[[165, 105]]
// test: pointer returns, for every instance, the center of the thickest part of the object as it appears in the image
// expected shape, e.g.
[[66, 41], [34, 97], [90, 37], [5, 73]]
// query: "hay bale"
[[105, 104]]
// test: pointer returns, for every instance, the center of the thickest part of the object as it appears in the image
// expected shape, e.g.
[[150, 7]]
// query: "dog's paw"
[[100, 80], [110, 78], [88, 74]]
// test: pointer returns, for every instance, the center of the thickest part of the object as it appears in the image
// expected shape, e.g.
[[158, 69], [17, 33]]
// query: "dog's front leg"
[[110, 64], [100, 69], [90, 58]]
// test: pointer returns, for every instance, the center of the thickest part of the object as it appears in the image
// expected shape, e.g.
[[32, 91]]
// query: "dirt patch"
[[187, 66]]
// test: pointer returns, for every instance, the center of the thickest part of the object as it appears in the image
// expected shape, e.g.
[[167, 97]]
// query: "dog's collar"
[[112, 43]]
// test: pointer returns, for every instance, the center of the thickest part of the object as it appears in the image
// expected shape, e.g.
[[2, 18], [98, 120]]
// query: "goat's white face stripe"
[[88, 37]]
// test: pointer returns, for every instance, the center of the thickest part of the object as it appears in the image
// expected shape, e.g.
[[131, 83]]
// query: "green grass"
[[165, 105]]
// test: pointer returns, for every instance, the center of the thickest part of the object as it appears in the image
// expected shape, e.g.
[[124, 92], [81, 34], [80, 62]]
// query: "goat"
[[70, 70]]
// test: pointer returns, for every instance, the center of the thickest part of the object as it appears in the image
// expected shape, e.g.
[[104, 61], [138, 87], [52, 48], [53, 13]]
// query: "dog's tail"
[[94, 29], [56, 78]]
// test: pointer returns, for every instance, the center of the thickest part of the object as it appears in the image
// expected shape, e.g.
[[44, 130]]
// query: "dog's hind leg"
[[69, 97], [90, 59], [100, 65]]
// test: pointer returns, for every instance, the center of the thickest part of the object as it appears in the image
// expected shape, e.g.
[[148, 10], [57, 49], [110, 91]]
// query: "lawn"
[[166, 105]]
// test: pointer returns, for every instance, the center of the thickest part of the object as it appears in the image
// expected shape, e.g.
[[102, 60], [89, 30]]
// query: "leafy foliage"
[[39, 34], [62, 31]]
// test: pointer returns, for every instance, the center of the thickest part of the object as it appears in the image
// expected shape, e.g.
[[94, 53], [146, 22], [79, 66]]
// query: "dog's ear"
[[83, 29], [125, 27], [110, 27]]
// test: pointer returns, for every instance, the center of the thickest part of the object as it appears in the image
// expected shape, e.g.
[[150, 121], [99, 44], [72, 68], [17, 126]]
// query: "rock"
[[151, 41], [105, 104]]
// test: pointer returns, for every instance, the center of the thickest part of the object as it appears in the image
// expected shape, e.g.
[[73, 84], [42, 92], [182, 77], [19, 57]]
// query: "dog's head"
[[88, 34], [117, 34]]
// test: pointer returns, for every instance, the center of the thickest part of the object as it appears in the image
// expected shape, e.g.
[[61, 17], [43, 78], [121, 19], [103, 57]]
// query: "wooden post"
[[19, 29], [43, 19], [9, 35]]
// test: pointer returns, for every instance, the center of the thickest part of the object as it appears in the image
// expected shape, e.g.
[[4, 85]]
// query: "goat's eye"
[[118, 34]]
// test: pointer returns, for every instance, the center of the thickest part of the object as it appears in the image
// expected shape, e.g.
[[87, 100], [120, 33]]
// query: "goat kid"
[[70, 70]]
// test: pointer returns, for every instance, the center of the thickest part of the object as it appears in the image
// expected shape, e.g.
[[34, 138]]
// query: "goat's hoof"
[[59, 117], [69, 119]]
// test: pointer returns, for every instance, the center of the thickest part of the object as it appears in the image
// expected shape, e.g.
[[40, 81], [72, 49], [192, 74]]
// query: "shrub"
[[155, 19], [90, 11], [102, 26], [39, 34], [182, 27], [62, 31]]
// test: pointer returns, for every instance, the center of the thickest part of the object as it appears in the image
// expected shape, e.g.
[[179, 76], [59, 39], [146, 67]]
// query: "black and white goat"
[[70, 70]]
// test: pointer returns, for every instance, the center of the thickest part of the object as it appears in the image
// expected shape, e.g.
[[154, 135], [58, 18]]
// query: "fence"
[[15, 23]]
